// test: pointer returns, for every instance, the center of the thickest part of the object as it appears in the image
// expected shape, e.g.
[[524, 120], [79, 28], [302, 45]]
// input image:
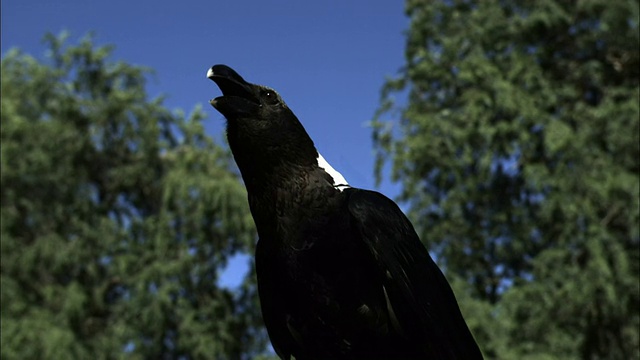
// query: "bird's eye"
[[270, 96]]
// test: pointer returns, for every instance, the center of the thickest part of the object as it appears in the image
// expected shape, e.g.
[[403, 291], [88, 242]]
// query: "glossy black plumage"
[[341, 272]]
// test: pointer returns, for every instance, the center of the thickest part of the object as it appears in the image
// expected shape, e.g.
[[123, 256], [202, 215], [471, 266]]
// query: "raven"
[[341, 271]]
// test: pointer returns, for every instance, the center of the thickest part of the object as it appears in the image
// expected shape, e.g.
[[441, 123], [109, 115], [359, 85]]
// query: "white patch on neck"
[[339, 182]]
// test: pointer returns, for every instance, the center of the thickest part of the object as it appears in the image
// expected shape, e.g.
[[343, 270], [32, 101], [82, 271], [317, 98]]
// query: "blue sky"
[[328, 59]]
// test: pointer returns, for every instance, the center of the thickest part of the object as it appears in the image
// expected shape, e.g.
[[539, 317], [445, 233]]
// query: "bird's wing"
[[421, 304]]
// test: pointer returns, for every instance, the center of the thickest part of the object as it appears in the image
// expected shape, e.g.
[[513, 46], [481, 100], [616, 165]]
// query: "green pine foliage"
[[518, 151], [117, 219]]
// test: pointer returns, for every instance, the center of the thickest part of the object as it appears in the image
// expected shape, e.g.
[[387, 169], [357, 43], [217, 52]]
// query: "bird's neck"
[[293, 195], [270, 159]]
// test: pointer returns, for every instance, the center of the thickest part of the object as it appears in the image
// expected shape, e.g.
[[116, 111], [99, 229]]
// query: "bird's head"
[[262, 131], [241, 100]]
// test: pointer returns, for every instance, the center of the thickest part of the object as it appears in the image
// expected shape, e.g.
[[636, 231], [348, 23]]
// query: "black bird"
[[342, 273]]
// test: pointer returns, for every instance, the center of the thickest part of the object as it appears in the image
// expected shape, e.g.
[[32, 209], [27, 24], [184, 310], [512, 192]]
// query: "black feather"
[[341, 272]]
